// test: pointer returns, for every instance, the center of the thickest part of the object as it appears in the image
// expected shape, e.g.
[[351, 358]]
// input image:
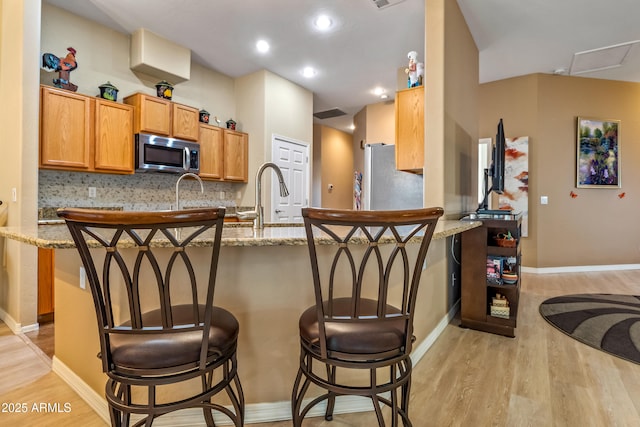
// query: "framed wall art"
[[516, 179], [598, 153]]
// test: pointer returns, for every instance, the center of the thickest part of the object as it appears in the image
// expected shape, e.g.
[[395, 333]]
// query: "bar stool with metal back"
[[155, 309], [366, 270]]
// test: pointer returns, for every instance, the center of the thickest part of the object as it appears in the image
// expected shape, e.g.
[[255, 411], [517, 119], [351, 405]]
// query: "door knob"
[[279, 211]]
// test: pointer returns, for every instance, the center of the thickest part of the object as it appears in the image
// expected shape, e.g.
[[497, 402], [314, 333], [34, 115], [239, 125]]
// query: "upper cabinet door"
[[236, 156], [152, 115], [114, 137], [410, 129], [185, 122], [211, 152], [65, 129]]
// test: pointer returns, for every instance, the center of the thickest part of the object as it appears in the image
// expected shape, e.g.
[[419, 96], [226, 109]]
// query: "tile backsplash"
[[151, 191]]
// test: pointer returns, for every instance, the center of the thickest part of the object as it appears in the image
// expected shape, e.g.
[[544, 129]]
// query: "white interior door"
[[293, 159]]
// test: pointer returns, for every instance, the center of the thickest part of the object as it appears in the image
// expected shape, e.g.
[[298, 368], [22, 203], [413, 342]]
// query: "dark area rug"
[[608, 322]]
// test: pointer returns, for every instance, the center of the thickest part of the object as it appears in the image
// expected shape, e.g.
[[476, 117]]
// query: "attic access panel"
[[329, 114], [600, 59], [381, 4]]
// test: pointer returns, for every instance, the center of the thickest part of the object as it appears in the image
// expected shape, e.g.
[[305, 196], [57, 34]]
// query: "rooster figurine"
[[64, 66]]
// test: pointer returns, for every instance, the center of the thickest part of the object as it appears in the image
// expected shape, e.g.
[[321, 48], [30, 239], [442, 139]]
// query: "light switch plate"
[[544, 200]]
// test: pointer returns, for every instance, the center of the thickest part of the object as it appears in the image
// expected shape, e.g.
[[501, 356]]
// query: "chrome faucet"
[[257, 214], [189, 174]]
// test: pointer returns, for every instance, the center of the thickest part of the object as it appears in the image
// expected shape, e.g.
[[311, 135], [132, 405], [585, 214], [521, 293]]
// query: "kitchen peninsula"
[[263, 278]]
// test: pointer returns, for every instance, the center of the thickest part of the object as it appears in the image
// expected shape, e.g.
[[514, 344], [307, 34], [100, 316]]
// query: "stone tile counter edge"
[[57, 236]]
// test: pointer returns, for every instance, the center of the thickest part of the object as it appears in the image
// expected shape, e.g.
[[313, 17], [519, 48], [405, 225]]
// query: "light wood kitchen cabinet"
[[152, 114], [114, 144], [159, 116], [65, 129], [184, 122], [211, 152], [83, 133], [223, 154], [46, 264], [236, 156], [410, 130]]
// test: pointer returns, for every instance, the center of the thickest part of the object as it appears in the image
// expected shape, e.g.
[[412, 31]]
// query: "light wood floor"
[[468, 378], [43, 338]]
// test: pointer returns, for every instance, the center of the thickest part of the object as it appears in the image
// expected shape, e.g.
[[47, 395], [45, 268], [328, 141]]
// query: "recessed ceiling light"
[[323, 22], [262, 46], [378, 91], [308, 72]]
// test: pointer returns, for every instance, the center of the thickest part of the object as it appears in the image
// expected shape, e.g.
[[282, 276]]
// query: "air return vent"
[[381, 4], [329, 114], [600, 59]]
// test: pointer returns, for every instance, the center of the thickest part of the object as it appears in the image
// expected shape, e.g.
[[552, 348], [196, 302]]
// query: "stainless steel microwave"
[[162, 154]]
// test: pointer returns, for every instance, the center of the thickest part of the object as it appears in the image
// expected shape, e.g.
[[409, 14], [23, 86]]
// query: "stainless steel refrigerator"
[[383, 186]]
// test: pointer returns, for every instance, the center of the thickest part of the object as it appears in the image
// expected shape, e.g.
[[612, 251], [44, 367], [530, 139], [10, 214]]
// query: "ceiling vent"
[[600, 59], [381, 4], [329, 114]]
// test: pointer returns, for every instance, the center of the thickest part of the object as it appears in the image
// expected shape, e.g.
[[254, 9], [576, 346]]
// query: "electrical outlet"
[[83, 281], [92, 192], [544, 200], [14, 195]]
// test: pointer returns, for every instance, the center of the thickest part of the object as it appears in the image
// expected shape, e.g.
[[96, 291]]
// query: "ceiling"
[[367, 45]]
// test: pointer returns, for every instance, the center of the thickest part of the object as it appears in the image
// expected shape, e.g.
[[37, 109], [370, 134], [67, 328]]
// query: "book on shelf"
[[495, 267]]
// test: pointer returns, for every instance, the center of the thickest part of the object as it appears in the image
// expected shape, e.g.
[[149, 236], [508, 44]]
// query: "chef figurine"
[[412, 69]]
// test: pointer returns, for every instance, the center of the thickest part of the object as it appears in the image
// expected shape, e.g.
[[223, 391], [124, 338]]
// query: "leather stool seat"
[[175, 349], [356, 339]]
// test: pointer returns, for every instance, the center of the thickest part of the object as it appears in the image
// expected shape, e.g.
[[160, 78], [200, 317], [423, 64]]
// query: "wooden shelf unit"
[[477, 291]]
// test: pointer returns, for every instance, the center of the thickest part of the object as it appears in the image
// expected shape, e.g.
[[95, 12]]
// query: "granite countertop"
[[56, 236], [49, 216]]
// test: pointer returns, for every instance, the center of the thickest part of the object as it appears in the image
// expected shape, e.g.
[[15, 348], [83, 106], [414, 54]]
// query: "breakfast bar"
[[263, 278]]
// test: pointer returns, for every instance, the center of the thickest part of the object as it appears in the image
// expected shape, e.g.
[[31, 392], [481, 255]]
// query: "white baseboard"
[[16, 327], [421, 349], [263, 412], [254, 412], [96, 401], [580, 268], [10, 321], [29, 328]]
